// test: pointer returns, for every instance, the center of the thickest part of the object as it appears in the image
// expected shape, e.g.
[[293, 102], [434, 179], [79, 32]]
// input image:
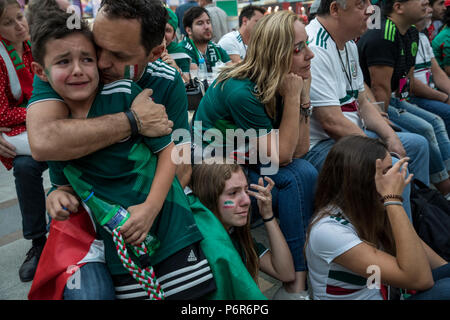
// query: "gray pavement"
[[13, 247]]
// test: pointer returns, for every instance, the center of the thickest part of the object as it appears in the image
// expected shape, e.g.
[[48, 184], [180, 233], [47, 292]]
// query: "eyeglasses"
[[300, 46]]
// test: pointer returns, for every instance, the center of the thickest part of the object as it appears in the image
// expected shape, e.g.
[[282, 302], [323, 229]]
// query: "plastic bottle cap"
[[201, 60]]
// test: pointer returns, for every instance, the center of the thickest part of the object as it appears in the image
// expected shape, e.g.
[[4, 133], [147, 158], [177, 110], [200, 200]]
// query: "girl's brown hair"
[[347, 180], [208, 183], [5, 3]]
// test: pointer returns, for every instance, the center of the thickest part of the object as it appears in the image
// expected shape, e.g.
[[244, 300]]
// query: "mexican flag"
[[69, 246]]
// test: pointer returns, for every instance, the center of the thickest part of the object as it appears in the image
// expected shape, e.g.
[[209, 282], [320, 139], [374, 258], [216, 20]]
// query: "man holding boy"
[[111, 64]]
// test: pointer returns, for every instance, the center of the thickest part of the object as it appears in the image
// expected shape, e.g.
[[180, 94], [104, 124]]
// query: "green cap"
[[173, 20]]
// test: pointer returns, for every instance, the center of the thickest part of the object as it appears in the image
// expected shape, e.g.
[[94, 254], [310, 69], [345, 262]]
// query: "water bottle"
[[112, 216], [202, 71]]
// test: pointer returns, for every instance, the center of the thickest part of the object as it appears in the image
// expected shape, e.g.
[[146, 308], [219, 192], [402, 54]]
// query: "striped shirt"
[[329, 238]]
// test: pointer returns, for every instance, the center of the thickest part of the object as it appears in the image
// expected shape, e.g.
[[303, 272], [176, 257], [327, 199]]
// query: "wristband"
[[139, 123], [268, 219], [305, 105], [392, 196], [133, 123], [393, 203]]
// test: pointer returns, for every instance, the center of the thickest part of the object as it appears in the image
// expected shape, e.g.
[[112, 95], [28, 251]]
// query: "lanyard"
[[349, 74], [200, 55]]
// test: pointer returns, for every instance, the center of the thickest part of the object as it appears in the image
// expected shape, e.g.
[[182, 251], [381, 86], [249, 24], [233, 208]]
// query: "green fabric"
[[173, 20], [182, 59], [231, 105], [232, 278], [441, 47], [168, 90], [123, 174], [214, 53]]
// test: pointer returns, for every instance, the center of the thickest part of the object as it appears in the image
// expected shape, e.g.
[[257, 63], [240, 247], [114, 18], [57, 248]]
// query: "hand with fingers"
[[263, 196], [394, 181], [136, 228], [152, 117], [60, 203], [291, 87], [7, 150]]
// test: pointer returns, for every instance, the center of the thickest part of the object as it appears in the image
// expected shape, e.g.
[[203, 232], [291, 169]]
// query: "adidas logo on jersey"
[[192, 257]]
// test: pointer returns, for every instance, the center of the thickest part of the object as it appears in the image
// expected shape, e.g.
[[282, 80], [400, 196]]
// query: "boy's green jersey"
[[123, 174]]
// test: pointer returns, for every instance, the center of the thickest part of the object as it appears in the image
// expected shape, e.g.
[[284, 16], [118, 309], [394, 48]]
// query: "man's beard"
[[202, 39]]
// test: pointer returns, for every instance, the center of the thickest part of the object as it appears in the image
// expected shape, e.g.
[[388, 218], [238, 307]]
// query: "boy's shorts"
[[185, 275]]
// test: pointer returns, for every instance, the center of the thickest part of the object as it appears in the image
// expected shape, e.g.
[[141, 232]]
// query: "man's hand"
[[395, 145], [7, 150], [152, 116]]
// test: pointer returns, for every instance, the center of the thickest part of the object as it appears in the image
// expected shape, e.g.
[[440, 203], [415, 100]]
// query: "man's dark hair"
[[446, 19], [150, 13], [191, 14], [52, 24], [249, 12], [324, 7], [388, 6]]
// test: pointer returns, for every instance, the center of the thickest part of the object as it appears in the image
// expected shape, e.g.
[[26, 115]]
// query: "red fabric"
[[384, 292], [11, 114], [67, 244]]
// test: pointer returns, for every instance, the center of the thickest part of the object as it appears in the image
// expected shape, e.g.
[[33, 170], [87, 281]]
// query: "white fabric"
[[218, 20], [424, 56], [14, 82], [329, 84], [328, 239], [20, 142], [232, 43]]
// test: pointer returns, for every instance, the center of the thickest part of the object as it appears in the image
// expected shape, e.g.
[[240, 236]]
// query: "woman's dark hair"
[[53, 25], [150, 13], [191, 14], [347, 181]]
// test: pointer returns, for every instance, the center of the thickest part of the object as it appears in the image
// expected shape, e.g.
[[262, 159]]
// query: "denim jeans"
[[440, 108], [93, 282], [31, 196], [441, 288], [414, 119], [292, 201], [416, 147]]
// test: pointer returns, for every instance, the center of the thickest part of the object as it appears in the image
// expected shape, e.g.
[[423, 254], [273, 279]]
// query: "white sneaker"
[[282, 294]]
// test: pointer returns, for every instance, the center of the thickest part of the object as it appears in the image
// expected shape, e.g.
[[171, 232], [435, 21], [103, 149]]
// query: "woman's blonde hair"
[[208, 183], [268, 58]]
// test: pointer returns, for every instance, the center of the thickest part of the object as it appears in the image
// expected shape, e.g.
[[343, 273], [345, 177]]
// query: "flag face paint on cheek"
[[131, 72], [228, 204]]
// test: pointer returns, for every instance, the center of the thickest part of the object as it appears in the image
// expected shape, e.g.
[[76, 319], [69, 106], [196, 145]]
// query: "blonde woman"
[[269, 92]]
